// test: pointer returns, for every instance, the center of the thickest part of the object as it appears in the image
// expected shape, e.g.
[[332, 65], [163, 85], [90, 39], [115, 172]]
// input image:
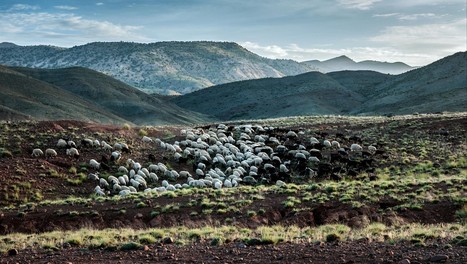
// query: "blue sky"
[[417, 32]]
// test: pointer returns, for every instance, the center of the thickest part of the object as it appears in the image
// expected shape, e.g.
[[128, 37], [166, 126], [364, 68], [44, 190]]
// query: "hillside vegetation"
[[440, 86], [82, 94]]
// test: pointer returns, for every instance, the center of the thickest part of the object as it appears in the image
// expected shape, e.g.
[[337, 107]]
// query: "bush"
[[130, 246]]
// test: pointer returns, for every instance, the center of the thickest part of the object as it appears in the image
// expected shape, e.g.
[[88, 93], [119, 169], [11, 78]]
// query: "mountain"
[[343, 63], [83, 94], [162, 67], [440, 86], [305, 94]]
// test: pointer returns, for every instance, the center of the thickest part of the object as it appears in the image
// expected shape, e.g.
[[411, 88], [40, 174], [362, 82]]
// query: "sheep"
[[335, 144], [73, 152], [124, 192], [153, 176], [62, 143], [106, 146], [372, 149], [123, 169], [87, 142], [280, 183], [122, 180], [99, 191], [103, 182], [93, 177], [37, 153], [314, 141], [94, 164], [327, 143], [115, 156], [355, 147], [147, 139], [71, 144], [50, 152]]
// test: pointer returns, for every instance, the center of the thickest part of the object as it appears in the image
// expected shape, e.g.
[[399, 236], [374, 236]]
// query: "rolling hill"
[[83, 94], [440, 86], [305, 94], [343, 63], [162, 67]]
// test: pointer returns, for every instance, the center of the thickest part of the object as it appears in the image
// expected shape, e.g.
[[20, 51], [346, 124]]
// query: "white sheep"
[[115, 156], [355, 147], [94, 164], [372, 149], [62, 143], [147, 139], [50, 152], [93, 176], [103, 182], [37, 152], [73, 152]]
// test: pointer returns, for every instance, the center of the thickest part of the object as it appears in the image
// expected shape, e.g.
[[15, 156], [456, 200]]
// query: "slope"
[[362, 82], [22, 96], [114, 96], [440, 86], [305, 94]]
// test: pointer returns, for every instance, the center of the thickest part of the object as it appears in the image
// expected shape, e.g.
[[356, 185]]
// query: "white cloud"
[[67, 26], [386, 15], [99, 4], [65, 7], [385, 53], [417, 16], [272, 51], [19, 7], [358, 4], [437, 39]]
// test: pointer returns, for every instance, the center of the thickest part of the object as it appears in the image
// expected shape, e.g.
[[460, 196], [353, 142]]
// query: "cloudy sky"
[[417, 32]]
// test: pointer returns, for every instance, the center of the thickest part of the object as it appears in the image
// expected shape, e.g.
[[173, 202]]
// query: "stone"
[[168, 240], [439, 258], [12, 252], [404, 261]]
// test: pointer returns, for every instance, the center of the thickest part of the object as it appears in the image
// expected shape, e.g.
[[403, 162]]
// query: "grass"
[[131, 239]]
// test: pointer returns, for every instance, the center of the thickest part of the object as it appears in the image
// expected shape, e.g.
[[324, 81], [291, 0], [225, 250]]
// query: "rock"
[[439, 258], [359, 221], [145, 248], [168, 240], [138, 216], [404, 261], [12, 252]]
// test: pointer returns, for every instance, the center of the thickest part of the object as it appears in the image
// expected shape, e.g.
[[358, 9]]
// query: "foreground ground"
[[411, 206]]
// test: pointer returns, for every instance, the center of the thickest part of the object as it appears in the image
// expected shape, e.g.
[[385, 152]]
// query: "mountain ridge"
[[168, 67], [440, 86]]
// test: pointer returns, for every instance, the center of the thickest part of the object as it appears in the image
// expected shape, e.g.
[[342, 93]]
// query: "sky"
[[416, 32]]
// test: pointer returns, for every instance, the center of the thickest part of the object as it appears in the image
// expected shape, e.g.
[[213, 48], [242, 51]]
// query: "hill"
[[162, 67], [83, 94], [440, 86], [343, 63], [305, 94]]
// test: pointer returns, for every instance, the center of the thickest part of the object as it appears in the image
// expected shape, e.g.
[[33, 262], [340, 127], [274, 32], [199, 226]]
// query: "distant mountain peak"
[[7, 45], [342, 58]]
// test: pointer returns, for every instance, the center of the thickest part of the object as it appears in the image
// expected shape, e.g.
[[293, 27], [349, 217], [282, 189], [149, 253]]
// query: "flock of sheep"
[[221, 157]]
